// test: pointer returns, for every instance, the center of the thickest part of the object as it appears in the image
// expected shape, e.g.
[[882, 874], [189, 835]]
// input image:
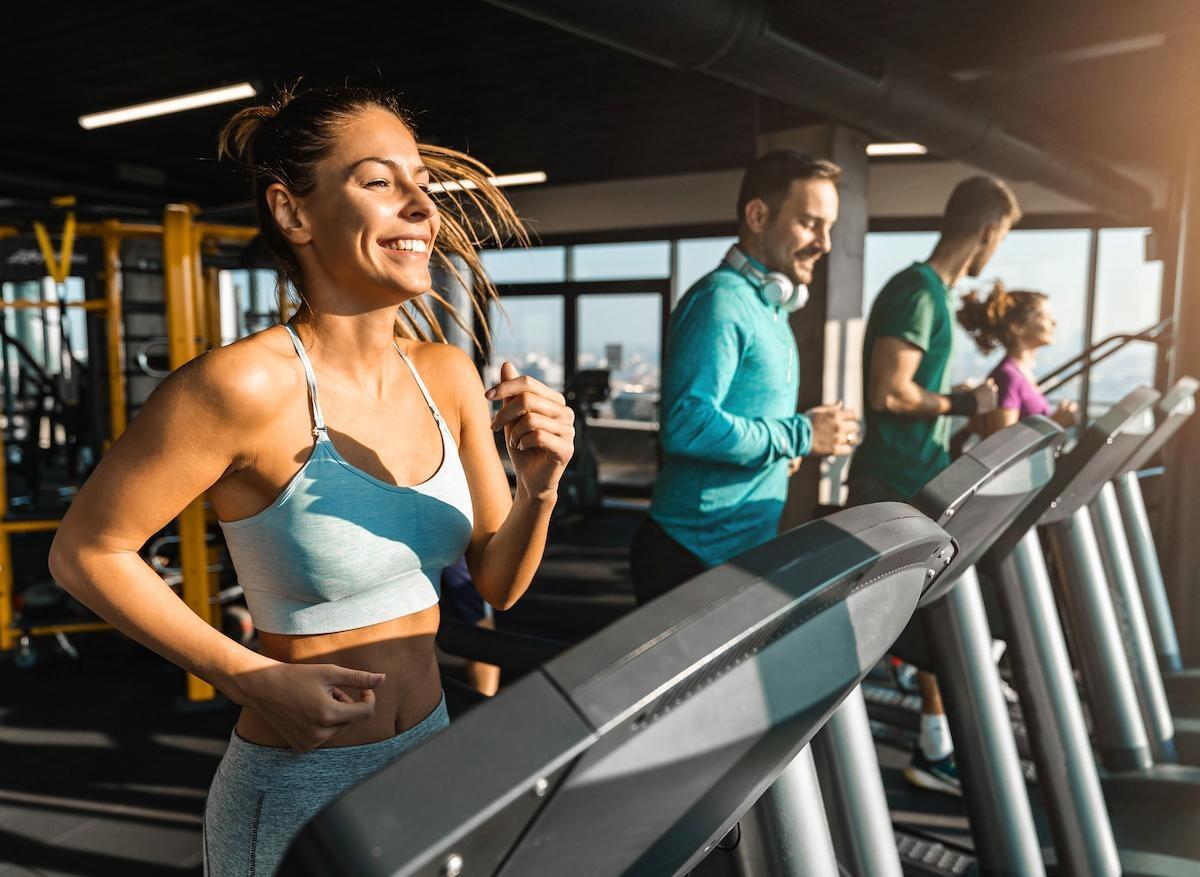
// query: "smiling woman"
[[348, 459]]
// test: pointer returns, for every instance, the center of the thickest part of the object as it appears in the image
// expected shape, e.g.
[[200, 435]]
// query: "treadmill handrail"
[[1088, 358]]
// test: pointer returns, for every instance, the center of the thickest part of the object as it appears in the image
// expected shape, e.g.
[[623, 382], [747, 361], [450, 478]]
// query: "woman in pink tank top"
[[1020, 321]]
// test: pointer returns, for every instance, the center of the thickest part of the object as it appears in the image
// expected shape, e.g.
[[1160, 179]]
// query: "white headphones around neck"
[[776, 288]]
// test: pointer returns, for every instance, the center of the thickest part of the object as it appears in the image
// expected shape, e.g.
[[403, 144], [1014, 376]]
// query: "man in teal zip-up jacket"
[[729, 430]]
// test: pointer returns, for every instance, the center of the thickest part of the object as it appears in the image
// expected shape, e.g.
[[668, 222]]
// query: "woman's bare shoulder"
[[443, 367]]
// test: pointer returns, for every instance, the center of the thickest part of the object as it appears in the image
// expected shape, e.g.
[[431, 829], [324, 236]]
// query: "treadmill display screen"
[[1175, 407], [983, 492]]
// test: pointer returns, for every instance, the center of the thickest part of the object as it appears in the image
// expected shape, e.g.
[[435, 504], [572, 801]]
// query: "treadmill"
[[1182, 684], [637, 751], [1130, 564], [975, 499], [1151, 824]]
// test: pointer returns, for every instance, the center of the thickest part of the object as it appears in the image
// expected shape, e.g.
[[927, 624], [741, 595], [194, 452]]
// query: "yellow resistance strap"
[[58, 267]]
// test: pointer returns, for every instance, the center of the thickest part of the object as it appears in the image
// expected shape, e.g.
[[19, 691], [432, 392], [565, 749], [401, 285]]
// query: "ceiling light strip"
[[880, 149], [525, 179], [168, 105]]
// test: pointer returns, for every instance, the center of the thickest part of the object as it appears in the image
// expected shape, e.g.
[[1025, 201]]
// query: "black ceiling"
[[1088, 77]]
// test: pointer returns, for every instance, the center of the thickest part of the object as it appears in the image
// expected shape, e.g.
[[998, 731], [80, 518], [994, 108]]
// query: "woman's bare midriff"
[[402, 648]]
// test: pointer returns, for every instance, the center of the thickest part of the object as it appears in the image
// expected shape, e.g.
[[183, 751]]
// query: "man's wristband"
[[963, 404]]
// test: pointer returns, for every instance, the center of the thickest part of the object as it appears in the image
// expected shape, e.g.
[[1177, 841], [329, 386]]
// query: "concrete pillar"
[[458, 297], [1177, 544], [829, 331]]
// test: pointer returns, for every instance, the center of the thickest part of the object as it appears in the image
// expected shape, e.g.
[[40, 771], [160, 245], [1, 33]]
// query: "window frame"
[[570, 291]]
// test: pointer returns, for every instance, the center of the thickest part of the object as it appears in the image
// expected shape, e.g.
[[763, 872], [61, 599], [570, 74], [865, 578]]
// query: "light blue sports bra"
[[340, 549]]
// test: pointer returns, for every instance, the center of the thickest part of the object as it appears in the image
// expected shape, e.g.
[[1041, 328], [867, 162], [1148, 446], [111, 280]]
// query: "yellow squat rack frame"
[[193, 325]]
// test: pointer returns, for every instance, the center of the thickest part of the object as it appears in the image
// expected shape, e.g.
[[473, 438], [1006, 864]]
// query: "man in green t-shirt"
[[908, 351]]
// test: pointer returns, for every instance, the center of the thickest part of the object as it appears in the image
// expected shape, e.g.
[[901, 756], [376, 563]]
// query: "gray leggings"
[[262, 796]]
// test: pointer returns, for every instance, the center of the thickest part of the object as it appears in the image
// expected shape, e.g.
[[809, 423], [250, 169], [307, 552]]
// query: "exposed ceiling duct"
[[792, 55]]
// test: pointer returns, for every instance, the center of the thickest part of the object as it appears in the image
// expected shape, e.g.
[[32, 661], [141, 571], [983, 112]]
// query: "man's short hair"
[[771, 174], [976, 203]]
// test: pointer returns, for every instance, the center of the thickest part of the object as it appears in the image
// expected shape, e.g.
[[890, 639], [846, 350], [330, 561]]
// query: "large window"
[[529, 334], [886, 253], [591, 308], [585, 307], [621, 261], [1053, 261], [249, 301], [695, 258], [49, 335], [605, 306], [1056, 262], [40, 344], [521, 265], [1127, 301], [622, 333]]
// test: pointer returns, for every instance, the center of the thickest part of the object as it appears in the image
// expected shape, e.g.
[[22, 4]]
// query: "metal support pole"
[[212, 307], [1134, 628], [197, 301], [785, 834], [179, 274], [8, 635], [1083, 595], [1181, 522], [114, 326], [1145, 561], [1005, 836], [1089, 324], [1067, 776], [855, 803]]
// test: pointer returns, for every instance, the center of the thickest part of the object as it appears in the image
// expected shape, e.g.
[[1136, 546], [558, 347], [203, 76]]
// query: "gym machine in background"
[[1182, 683], [1122, 569]]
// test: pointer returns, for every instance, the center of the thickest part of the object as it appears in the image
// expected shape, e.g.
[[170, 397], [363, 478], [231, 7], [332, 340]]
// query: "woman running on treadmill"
[[349, 460], [1020, 321]]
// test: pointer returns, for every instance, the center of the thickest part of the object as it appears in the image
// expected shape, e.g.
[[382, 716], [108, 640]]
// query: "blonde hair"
[[990, 321], [285, 139]]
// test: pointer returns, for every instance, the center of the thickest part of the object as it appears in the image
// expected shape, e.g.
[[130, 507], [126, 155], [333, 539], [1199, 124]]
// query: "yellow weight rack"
[[193, 325]]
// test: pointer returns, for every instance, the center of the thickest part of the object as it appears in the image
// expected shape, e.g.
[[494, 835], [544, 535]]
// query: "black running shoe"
[[937, 776]]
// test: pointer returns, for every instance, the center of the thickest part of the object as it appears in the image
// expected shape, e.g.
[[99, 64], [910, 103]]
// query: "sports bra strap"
[[420, 383], [318, 419]]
